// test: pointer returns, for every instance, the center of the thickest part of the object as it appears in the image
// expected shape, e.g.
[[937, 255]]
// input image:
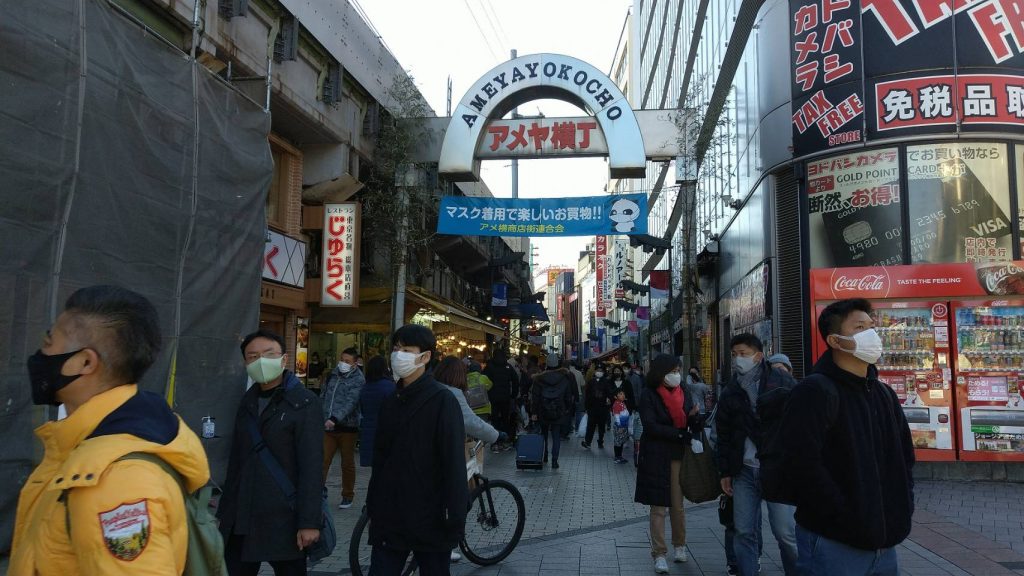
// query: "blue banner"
[[499, 295], [586, 216]]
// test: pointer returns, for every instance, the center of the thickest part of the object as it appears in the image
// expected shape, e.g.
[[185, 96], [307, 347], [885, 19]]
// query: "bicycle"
[[489, 537]]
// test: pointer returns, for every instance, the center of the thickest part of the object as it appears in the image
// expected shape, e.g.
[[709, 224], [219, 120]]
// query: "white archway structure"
[[534, 77]]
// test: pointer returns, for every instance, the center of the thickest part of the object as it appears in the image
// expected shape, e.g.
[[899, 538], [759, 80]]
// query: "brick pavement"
[[581, 521]]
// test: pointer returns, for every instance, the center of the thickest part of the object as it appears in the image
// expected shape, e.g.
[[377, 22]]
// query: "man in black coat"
[[739, 438], [849, 454], [504, 382], [553, 398], [597, 403], [258, 522], [418, 495]]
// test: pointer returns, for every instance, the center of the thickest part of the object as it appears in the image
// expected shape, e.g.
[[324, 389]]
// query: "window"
[[855, 217], [277, 197], [959, 202]]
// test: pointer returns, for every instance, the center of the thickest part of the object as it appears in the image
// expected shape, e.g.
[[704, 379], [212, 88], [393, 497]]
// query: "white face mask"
[[404, 363], [344, 367], [599, 374], [868, 345], [743, 364], [265, 369], [672, 379]]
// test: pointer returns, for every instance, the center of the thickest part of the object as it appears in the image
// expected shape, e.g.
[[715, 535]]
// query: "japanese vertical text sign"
[[828, 103], [601, 262], [341, 255], [585, 216]]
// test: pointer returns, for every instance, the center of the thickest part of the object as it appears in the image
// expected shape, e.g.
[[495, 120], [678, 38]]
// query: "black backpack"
[[771, 407], [552, 401]]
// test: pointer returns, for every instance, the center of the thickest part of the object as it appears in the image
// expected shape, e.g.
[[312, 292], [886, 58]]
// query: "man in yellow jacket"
[[83, 511]]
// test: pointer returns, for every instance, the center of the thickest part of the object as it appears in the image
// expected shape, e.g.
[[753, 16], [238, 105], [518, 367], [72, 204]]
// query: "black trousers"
[[501, 417], [385, 561], [237, 567], [597, 419]]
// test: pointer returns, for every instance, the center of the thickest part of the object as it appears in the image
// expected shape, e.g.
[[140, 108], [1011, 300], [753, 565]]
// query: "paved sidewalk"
[[581, 521]]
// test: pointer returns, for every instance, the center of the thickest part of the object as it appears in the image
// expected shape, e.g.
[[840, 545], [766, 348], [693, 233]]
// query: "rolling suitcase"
[[530, 452]]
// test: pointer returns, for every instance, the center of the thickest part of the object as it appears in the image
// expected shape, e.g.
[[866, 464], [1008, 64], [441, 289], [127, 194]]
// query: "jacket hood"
[[551, 377], [118, 422]]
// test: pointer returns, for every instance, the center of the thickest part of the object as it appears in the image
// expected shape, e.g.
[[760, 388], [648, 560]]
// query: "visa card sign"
[[586, 216]]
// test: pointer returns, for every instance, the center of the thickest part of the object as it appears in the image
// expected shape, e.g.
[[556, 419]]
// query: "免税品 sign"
[[340, 272]]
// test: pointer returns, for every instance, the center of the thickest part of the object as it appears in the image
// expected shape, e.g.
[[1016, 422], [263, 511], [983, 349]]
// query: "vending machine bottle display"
[[990, 370], [915, 364]]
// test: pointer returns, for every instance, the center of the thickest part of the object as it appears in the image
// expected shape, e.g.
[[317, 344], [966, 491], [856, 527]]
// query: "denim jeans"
[[552, 429], [747, 519], [730, 546], [820, 556]]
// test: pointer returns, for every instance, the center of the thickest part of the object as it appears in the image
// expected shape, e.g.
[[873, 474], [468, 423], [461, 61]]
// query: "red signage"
[[919, 281], [948, 99], [601, 257]]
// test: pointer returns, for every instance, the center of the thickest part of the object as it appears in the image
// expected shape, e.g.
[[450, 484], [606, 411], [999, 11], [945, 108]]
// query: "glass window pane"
[[959, 196], [855, 217]]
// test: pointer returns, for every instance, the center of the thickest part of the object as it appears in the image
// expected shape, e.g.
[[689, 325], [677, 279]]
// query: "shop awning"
[[528, 311], [454, 314], [609, 354]]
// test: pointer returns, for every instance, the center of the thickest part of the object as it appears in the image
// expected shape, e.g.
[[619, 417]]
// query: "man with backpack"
[[113, 492], [739, 438], [848, 454], [553, 399], [504, 384]]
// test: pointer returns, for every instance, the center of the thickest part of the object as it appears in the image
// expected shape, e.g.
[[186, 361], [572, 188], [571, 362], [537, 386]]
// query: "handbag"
[[324, 546], [699, 476], [725, 510]]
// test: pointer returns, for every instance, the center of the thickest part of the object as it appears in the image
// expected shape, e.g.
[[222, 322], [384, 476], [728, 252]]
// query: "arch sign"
[[534, 77]]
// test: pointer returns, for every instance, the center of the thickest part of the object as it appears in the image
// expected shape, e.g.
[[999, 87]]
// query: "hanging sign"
[[585, 216], [601, 263], [341, 255]]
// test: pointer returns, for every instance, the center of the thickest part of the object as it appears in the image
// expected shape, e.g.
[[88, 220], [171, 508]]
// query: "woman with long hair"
[[452, 373], [669, 417], [379, 385]]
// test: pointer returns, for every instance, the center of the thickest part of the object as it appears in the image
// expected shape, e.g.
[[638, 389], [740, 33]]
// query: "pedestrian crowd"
[[123, 485]]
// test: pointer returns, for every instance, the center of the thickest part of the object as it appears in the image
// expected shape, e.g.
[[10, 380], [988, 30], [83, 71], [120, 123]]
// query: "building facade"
[[851, 149]]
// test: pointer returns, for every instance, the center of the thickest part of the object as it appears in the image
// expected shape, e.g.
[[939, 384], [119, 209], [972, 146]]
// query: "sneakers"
[[732, 570], [554, 464], [585, 444], [660, 565], [345, 504], [621, 460], [600, 445], [456, 556], [680, 555]]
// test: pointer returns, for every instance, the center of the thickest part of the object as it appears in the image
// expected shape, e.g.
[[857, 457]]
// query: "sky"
[[463, 39]]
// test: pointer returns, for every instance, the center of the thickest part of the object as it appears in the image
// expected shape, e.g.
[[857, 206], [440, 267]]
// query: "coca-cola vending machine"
[[953, 354]]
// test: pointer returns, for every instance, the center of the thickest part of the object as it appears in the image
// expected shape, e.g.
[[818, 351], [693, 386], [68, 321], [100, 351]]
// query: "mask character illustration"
[[623, 213]]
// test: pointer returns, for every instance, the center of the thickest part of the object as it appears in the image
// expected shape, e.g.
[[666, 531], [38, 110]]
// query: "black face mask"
[[44, 374]]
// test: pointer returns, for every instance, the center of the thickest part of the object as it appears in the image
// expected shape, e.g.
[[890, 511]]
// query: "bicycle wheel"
[[494, 523], [359, 550]]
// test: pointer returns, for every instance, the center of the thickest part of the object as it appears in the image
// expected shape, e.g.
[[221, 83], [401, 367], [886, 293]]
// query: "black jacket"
[[595, 394], [504, 380], [418, 495], [253, 505], [736, 420], [627, 387], [852, 476], [547, 384], [660, 444]]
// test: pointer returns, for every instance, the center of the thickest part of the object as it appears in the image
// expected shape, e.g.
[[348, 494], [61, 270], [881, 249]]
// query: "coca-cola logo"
[[866, 283], [994, 278]]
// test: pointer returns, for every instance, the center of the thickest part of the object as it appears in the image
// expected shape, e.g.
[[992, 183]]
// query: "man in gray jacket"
[[340, 399]]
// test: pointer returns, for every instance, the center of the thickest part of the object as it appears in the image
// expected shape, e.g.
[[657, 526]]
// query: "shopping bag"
[[581, 430], [699, 475], [697, 446]]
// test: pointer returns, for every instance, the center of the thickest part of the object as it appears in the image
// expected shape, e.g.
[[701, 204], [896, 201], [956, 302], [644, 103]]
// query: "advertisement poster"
[[747, 304], [921, 281], [902, 67], [825, 43], [301, 347], [854, 208], [583, 216], [341, 255], [959, 196], [1020, 189], [987, 389]]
